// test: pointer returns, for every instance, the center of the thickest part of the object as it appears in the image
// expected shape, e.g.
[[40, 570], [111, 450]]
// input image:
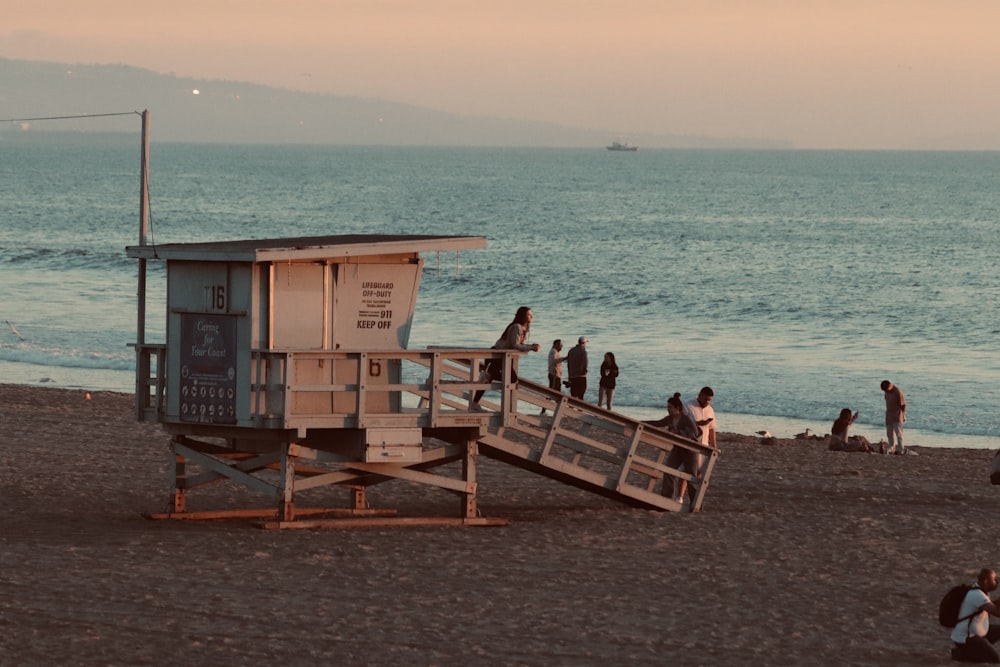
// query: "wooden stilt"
[[286, 510], [177, 481], [360, 495], [469, 503]]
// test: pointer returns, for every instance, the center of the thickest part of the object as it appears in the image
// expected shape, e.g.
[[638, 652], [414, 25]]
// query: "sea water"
[[791, 282]]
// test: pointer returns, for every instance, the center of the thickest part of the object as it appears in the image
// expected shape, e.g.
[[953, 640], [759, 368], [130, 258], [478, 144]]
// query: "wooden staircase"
[[593, 449]]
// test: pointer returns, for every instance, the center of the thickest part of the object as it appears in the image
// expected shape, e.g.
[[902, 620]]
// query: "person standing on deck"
[[514, 337]]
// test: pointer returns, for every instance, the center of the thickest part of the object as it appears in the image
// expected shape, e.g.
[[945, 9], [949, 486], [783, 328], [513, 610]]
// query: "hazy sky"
[[819, 73]]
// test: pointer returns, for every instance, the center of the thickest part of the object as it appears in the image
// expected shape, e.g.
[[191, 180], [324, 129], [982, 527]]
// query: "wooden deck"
[[319, 421]]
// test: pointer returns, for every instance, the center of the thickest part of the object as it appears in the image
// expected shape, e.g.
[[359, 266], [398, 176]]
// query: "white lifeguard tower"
[[286, 369]]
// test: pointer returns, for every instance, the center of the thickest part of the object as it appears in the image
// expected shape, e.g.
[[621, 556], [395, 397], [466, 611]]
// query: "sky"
[[841, 74]]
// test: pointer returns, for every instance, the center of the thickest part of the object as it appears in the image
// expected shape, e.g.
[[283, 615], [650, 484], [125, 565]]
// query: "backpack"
[[951, 603]]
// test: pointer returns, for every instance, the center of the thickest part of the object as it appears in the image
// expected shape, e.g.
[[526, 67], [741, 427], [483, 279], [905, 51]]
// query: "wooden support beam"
[[380, 522], [359, 500], [248, 465], [400, 471], [469, 507], [178, 503], [286, 510], [227, 470], [272, 513]]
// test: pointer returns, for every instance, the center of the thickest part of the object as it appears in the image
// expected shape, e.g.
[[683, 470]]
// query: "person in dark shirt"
[[678, 422], [576, 362], [608, 382]]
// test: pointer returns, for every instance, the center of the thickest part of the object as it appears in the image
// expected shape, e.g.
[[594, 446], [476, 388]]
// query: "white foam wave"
[[67, 358]]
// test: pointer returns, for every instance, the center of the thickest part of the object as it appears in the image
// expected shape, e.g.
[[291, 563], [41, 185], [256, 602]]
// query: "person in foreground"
[[895, 415], [512, 338], [973, 637], [679, 423]]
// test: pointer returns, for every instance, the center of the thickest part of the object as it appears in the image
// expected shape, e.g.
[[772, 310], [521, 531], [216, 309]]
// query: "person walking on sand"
[[973, 636], [895, 415], [576, 362], [608, 382], [555, 367], [512, 338]]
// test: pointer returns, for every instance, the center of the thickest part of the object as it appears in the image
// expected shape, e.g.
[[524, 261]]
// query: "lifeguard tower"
[[286, 369]]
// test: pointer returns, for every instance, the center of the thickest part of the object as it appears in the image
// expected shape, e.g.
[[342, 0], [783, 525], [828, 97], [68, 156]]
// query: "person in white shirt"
[[973, 636], [699, 409], [555, 367], [701, 413]]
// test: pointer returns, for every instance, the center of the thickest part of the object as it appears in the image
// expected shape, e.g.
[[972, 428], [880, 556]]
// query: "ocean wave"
[[76, 258], [66, 358]]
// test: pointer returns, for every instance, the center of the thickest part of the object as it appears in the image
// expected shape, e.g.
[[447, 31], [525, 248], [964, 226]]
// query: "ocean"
[[791, 282]]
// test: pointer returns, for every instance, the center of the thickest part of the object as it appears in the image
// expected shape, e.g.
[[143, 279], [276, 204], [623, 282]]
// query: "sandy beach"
[[801, 556]]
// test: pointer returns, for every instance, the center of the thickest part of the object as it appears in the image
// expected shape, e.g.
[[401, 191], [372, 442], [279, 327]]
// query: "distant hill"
[[240, 112]]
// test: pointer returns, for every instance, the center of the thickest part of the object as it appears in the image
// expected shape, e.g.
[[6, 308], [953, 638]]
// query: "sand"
[[800, 556]]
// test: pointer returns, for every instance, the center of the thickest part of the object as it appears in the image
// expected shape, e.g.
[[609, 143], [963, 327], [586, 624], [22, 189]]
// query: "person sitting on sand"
[[974, 636], [840, 441], [840, 427]]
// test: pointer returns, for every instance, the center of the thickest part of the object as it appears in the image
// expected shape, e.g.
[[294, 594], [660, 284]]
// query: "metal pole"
[[143, 227], [141, 360]]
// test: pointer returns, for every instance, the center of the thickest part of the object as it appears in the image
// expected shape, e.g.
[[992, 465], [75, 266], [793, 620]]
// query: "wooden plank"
[[590, 442], [229, 471], [629, 458], [578, 472], [582, 449], [383, 522], [399, 471], [515, 448], [216, 515], [653, 499], [247, 465], [660, 471]]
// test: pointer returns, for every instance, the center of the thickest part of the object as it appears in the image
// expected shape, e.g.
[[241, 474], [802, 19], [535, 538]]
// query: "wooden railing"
[[377, 389], [598, 450], [150, 381]]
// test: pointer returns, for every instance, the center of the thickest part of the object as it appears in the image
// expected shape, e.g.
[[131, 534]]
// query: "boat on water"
[[619, 146]]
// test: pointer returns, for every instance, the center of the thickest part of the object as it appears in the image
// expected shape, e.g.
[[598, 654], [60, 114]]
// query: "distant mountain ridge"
[[212, 111]]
